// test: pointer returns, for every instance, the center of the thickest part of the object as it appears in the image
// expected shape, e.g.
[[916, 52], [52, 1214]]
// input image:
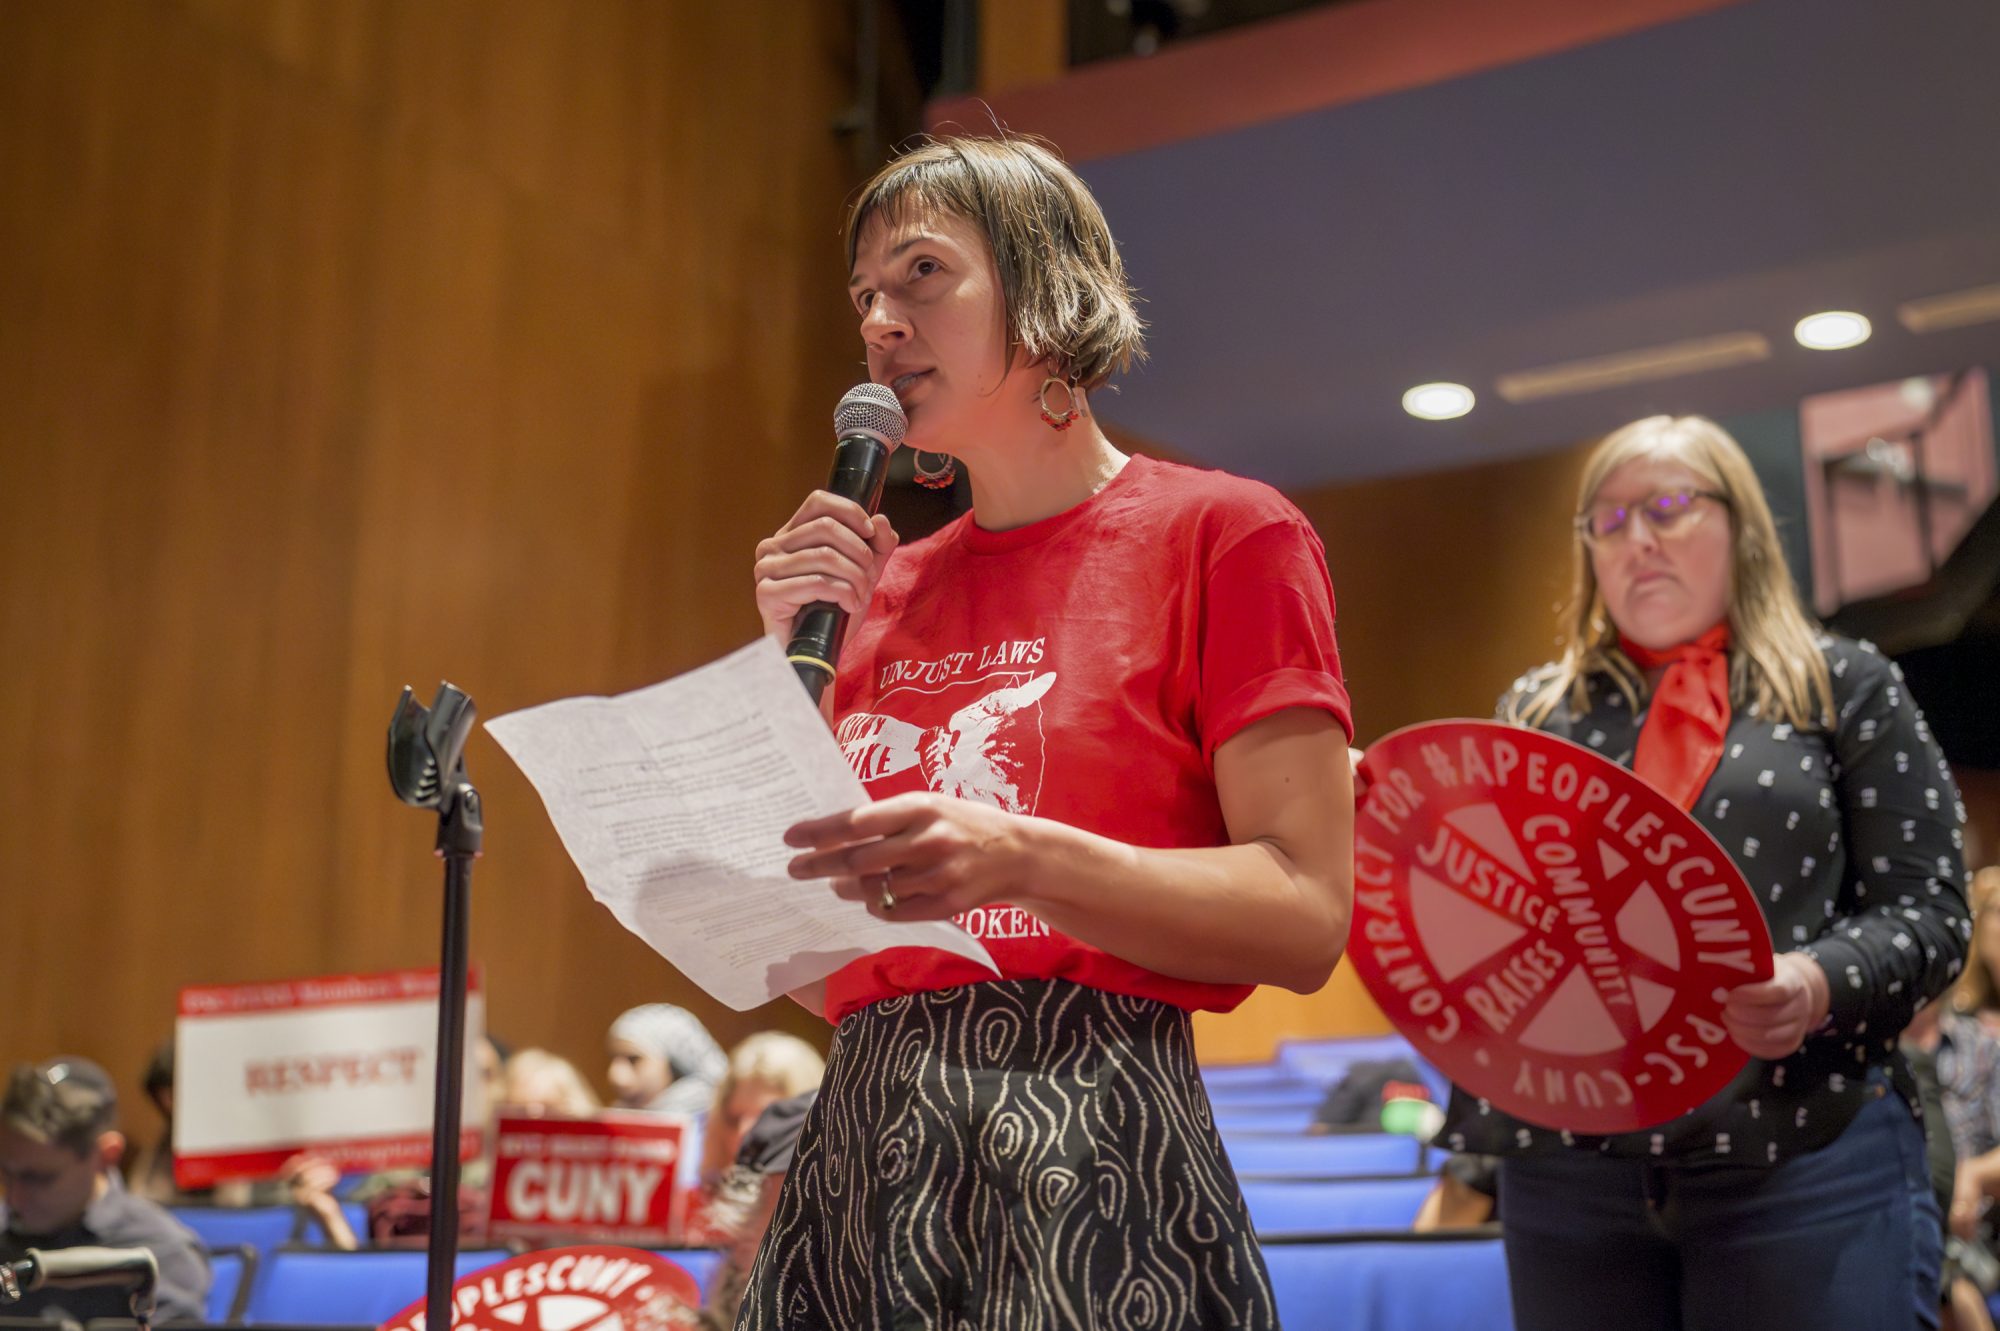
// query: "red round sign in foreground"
[[1553, 933], [601, 1288]]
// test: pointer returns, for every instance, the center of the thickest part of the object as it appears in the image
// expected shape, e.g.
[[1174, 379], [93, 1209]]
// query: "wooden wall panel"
[[1022, 43], [1447, 585], [355, 345], [350, 345]]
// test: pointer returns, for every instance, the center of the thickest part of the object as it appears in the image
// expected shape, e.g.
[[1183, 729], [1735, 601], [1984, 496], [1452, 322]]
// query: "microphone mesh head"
[[871, 409]]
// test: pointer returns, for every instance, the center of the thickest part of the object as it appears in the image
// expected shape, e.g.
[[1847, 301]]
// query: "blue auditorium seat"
[[232, 1271], [1284, 1119], [1325, 1062], [701, 1263], [357, 1220], [1334, 1206], [305, 1286], [1404, 1283], [1296, 1095], [260, 1227], [1250, 1077], [1331, 1156], [264, 1227]]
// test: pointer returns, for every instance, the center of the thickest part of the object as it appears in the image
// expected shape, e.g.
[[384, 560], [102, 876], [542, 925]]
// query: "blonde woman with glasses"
[[1798, 1196]]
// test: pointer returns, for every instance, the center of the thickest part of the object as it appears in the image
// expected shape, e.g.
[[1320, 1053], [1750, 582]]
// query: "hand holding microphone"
[[819, 569]]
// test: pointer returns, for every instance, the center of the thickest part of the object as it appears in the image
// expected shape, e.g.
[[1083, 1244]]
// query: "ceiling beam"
[[1266, 71]]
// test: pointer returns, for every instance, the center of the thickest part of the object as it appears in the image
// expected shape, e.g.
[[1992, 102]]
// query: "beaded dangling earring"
[[933, 478], [1067, 417]]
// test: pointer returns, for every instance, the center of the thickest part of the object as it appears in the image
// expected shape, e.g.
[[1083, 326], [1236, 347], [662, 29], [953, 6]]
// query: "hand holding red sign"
[[1773, 1018], [1554, 933]]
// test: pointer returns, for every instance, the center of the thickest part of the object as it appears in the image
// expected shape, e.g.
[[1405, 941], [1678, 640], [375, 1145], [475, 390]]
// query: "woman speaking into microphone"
[[1799, 1196], [1103, 722]]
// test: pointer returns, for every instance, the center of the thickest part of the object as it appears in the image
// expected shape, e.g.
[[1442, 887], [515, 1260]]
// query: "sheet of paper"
[[673, 801]]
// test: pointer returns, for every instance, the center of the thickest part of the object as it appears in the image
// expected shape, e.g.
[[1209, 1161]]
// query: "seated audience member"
[[1354, 1103], [59, 1153], [1466, 1194], [1960, 1126], [1961, 1036], [310, 1180], [767, 1067], [492, 1055], [663, 1060], [149, 1170], [744, 1198], [1379, 1095], [1977, 993], [537, 1083], [398, 1200], [1967, 1061]]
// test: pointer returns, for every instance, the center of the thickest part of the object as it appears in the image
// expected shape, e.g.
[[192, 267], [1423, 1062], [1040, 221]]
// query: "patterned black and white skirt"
[[1026, 1154]]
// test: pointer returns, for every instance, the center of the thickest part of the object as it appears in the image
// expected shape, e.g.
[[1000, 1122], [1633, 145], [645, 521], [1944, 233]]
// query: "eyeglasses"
[[1670, 513]]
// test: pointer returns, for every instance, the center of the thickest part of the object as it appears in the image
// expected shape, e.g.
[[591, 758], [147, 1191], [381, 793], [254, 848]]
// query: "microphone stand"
[[136, 1269], [427, 770]]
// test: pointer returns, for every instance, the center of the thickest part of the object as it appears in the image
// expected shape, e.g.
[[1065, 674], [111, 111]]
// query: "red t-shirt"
[[1084, 668]]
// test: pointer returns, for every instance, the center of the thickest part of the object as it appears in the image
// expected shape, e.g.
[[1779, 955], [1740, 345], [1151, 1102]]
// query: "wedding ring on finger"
[[887, 901]]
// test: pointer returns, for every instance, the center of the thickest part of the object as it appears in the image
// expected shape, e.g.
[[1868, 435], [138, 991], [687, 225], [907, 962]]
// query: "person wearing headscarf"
[[664, 1061]]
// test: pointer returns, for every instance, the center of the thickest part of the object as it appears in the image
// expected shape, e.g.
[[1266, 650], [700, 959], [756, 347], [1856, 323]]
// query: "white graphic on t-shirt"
[[990, 750]]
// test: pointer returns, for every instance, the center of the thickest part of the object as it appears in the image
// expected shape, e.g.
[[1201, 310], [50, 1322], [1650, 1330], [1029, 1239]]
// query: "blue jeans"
[[1846, 1238]]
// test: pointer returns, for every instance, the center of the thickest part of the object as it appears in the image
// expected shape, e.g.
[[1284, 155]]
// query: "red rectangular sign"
[[614, 1178]]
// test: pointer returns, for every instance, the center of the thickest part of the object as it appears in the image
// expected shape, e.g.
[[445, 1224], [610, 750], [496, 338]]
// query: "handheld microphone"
[[868, 425], [76, 1268]]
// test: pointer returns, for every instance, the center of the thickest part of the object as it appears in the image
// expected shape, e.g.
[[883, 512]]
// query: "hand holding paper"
[[673, 801]]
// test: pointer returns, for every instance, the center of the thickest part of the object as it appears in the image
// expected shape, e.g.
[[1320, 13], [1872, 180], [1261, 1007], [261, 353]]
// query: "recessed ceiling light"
[[1832, 330], [1438, 402]]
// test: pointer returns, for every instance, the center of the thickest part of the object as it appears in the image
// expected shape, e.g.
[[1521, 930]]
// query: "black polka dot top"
[[1854, 844]]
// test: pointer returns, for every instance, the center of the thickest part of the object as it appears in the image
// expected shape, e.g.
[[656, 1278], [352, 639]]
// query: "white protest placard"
[[342, 1066]]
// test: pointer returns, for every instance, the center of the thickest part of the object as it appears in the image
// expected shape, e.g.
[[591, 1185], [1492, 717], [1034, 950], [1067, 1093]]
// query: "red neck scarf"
[[1682, 739]]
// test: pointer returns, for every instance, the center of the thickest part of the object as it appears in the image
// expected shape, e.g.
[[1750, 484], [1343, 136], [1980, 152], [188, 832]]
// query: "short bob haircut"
[[1068, 302]]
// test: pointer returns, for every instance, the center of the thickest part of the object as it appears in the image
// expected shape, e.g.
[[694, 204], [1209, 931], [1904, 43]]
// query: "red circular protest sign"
[[567, 1289], [1553, 933]]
